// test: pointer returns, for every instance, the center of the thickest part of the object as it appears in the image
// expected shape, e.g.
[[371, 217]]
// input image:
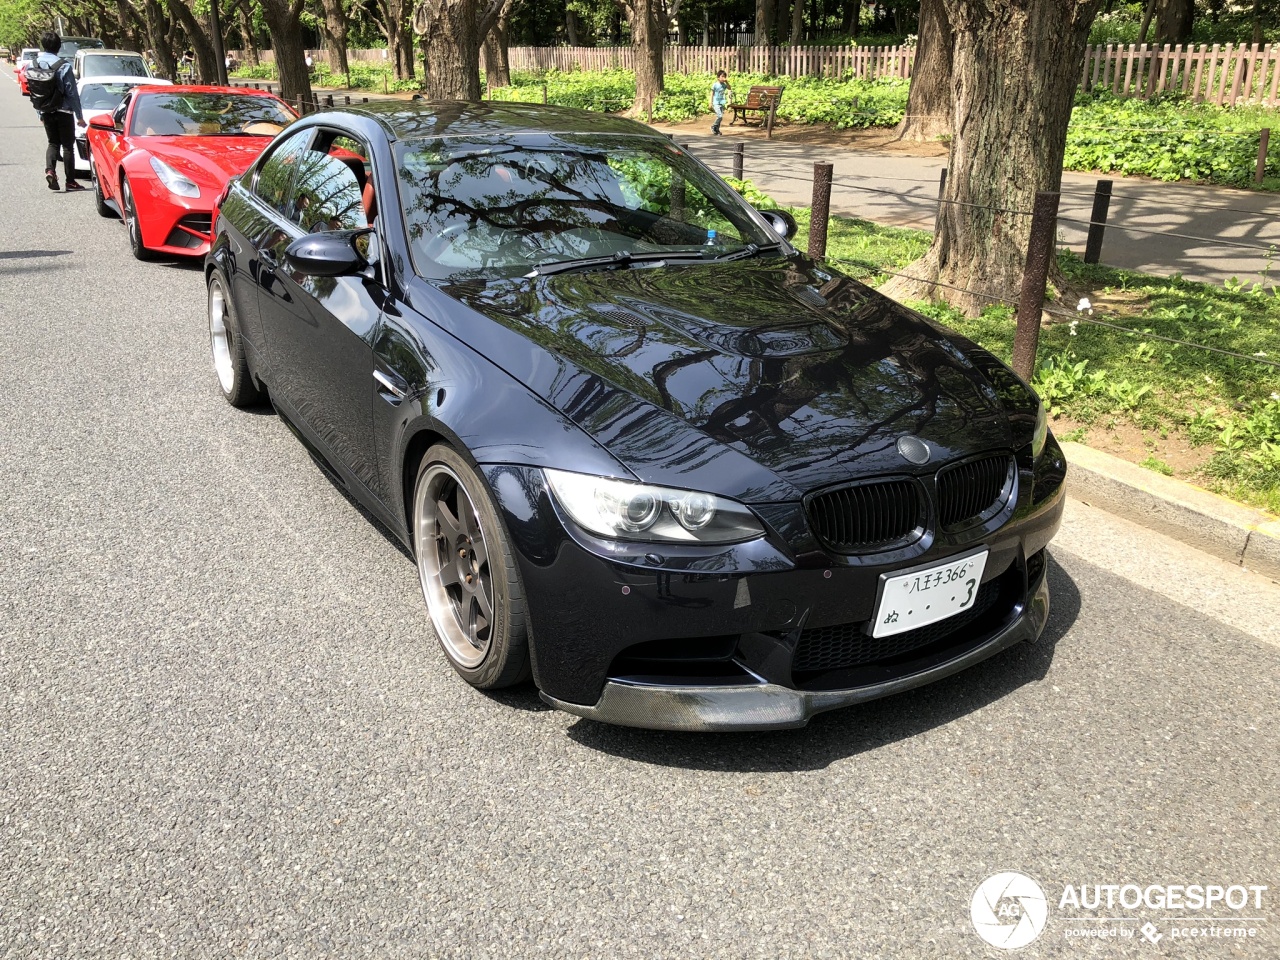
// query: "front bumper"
[[758, 635], [770, 706]]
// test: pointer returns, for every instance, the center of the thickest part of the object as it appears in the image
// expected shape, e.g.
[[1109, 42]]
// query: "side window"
[[328, 193], [275, 177]]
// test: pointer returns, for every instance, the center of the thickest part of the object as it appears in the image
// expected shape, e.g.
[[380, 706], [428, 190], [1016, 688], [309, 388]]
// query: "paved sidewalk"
[[903, 190]]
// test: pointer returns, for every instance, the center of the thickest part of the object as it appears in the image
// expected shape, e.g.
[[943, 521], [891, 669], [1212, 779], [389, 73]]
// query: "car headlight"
[[173, 180], [623, 510], [1041, 434]]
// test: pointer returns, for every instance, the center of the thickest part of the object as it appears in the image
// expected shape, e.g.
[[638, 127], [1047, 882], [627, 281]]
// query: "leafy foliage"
[[842, 103], [1167, 138]]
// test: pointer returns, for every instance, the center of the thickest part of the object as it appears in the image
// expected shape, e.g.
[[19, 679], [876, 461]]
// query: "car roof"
[[205, 88], [103, 51], [419, 119]]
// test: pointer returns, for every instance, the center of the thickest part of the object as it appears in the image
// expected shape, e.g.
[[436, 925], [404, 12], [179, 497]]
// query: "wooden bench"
[[759, 100]]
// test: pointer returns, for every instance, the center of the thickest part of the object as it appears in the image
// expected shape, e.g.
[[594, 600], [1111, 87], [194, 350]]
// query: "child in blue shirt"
[[720, 91]]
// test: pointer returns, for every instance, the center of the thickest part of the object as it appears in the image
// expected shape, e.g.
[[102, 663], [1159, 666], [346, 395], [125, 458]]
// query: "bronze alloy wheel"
[[468, 576]]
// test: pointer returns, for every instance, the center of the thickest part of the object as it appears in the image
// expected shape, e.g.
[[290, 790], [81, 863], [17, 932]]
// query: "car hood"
[[208, 161], [796, 369]]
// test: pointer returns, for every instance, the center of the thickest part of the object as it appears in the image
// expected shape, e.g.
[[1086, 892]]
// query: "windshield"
[[208, 115], [71, 44], [505, 205], [102, 96], [111, 65]]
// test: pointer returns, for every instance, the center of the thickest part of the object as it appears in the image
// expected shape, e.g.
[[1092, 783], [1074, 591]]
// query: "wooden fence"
[[1224, 74]]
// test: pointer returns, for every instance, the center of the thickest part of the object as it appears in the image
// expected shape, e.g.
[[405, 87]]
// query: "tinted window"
[[112, 66], [274, 181], [508, 205], [71, 44], [208, 115]]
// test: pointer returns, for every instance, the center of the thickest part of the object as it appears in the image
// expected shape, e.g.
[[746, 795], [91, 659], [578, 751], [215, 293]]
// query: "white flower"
[[1261, 353], [1085, 307]]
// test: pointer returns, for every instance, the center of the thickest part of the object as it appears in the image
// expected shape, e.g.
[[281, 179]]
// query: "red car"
[[162, 159]]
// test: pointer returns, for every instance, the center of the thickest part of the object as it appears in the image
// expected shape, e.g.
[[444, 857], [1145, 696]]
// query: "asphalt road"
[[226, 731]]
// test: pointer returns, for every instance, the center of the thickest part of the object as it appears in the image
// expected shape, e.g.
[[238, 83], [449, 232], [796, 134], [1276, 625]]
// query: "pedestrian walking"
[[720, 91], [56, 98]]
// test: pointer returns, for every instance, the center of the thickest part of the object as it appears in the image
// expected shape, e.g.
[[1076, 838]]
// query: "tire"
[[227, 346], [130, 213], [99, 200], [480, 622]]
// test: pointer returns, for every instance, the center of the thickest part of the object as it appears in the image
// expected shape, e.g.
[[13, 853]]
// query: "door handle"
[[386, 385]]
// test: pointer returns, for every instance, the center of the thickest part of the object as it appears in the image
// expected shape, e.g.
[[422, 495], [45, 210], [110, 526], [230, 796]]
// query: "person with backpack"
[[57, 100]]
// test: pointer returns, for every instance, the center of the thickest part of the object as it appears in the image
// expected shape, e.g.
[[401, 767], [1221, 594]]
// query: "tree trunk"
[[1147, 11], [250, 51], [283, 20], [797, 21], [198, 37], [335, 32], [1257, 21], [158, 34], [452, 33], [407, 67], [928, 115], [1174, 21], [571, 27], [648, 33], [764, 21], [1008, 144], [497, 63], [781, 19]]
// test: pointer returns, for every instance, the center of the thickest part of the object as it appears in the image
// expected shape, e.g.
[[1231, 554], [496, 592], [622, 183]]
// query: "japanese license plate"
[[922, 597]]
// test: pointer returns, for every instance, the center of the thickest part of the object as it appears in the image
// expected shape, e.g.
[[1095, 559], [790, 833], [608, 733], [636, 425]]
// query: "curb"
[[1243, 535]]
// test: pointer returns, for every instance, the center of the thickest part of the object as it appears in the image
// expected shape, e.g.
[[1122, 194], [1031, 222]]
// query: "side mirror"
[[783, 223], [102, 121], [326, 254]]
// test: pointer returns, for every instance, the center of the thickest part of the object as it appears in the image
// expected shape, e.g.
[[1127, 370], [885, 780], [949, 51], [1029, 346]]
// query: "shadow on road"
[[844, 733]]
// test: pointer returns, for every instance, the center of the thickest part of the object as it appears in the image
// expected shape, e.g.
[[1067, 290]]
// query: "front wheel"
[[99, 200], [131, 222], [227, 344], [468, 574]]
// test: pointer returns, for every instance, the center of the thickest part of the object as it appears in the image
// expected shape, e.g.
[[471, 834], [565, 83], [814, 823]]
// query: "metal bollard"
[[1264, 139], [1098, 221], [1026, 339], [739, 153], [820, 210], [942, 192]]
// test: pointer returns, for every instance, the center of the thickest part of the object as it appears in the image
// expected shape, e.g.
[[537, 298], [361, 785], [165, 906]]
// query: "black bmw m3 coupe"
[[644, 451]]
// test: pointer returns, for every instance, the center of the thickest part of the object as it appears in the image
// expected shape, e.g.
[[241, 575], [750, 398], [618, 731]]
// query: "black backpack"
[[42, 83]]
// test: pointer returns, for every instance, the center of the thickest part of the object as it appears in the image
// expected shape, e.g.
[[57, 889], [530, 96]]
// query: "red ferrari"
[[162, 159]]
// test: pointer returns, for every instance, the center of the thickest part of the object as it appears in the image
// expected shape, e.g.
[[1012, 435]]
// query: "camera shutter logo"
[[1009, 910]]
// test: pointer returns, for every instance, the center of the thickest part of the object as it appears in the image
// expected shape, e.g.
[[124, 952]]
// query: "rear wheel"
[[130, 212], [468, 574], [228, 348]]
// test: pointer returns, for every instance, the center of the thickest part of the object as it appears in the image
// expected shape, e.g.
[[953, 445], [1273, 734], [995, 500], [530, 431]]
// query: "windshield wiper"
[[622, 258], [750, 250]]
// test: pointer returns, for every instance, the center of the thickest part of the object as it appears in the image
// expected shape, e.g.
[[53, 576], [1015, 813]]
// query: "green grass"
[[1091, 374]]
